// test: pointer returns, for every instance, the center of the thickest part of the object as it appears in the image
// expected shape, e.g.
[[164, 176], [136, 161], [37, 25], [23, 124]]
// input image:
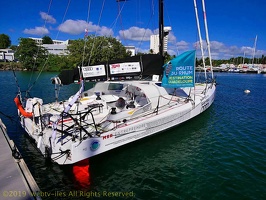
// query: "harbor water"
[[220, 154]]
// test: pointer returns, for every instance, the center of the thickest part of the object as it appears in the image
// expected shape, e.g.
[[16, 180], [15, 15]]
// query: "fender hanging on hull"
[[21, 109]]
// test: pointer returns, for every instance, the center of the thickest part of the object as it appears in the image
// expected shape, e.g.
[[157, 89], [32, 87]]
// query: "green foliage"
[[168, 57], [56, 63], [95, 50], [151, 51], [139, 53], [47, 40], [13, 47], [5, 41], [29, 54]]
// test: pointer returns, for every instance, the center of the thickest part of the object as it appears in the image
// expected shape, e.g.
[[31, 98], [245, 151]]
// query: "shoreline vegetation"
[[30, 61], [17, 66], [6, 66]]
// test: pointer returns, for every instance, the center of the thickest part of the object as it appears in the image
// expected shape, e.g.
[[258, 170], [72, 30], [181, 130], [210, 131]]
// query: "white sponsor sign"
[[121, 68], [92, 71]]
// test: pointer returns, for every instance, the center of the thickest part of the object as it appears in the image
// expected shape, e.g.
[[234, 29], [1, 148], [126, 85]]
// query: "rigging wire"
[[63, 19], [113, 25], [35, 60], [121, 22], [39, 47], [45, 63], [116, 19], [96, 30], [170, 22], [85, 36], [146, 28]]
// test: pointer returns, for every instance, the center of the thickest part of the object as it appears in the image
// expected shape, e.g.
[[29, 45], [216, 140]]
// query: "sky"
[[233, 24]]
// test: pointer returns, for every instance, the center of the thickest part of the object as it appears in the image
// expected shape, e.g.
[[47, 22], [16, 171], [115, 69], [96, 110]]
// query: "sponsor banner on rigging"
[[93, 71], [121, 68], [180, 71]]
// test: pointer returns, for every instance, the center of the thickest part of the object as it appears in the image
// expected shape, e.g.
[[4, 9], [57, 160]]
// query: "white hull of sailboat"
[[65, 150]]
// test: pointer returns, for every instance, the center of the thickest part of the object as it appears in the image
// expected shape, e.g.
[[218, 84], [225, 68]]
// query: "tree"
[[47, 40], [56, 63], [13, 47], [95, 50], [29, 54], [5, 41], [168, 57]]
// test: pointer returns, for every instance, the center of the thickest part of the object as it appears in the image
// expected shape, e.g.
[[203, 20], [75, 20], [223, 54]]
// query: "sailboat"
[[120, 109], [257, 68]]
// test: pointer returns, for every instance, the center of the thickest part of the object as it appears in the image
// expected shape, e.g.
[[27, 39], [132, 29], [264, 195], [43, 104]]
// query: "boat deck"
[[16, 179]]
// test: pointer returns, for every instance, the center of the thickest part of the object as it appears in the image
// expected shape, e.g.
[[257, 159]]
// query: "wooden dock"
[[16, 179]]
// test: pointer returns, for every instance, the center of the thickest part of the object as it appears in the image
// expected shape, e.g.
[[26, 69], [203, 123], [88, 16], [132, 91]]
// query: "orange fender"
[[81, 173], [21, 109]]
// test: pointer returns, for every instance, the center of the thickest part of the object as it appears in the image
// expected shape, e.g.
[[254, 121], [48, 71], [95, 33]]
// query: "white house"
[[59, 47], [7, 54], [131, 49]]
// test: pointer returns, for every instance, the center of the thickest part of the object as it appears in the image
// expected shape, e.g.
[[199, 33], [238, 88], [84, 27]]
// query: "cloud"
[[182, 45], [37, 31], [75, 27], [259, 53], [171, 38], [172, 52], [47, 18], [136, 34], [247, 50], [175, 48], [215, 45], [104, 31], [220, 50]]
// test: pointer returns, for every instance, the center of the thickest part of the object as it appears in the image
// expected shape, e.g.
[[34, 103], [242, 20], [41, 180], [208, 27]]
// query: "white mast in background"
[[200, 38], [254, 50], [207, 34]]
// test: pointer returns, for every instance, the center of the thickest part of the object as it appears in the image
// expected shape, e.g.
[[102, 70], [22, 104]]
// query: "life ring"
[[21, 109]]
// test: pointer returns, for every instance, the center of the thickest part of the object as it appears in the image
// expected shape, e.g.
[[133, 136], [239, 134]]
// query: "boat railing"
[[81, 127], [141, 110]]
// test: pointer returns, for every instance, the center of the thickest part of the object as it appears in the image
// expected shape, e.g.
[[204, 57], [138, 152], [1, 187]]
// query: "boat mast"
[[200, 38], [161, 28], [254, 50], [244, 58], [207, 35]]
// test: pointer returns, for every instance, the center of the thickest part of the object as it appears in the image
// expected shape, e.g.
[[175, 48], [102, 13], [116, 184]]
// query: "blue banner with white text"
[[180, 71]]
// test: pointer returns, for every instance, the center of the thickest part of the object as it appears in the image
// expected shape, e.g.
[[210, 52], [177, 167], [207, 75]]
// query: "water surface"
[[220, 154]]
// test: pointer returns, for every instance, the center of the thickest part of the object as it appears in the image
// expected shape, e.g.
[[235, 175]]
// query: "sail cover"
[[180, 71], [142, 65]]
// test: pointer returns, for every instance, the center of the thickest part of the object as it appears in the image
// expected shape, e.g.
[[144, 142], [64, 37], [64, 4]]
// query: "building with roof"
[[154, 41], [7, 54], [59, 47]]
